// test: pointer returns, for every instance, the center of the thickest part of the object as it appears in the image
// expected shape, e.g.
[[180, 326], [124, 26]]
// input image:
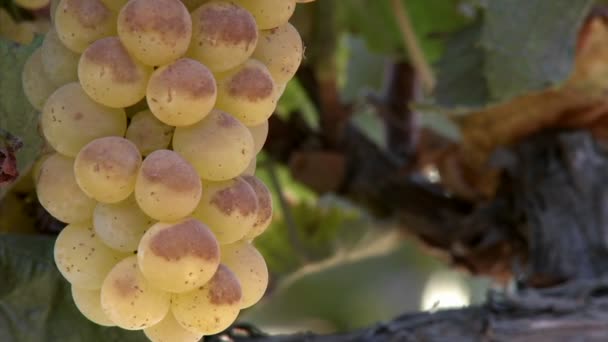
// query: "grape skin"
[[88, 303], [36, 85], [81, 22], [259, 134], [148, 133], [250, 268], [269, 13], [280, 49], [60, 63], [264, 214], [32, 4], [169, 330], [250, 170]]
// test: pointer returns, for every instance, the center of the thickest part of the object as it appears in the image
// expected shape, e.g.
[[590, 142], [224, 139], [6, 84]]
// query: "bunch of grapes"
[[156, 110]]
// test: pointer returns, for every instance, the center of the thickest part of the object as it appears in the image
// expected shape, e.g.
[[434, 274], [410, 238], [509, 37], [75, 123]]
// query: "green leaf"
[[35, 300]]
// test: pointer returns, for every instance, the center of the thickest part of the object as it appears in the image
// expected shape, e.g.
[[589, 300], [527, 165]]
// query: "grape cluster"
[[155, 111]]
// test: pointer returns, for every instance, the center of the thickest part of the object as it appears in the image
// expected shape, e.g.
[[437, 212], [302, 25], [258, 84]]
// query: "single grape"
[[81, 22], [36, 85], [280, 49], [148, 133], [167, 186], [114, 5], [250, 268], [269, 13], [129, 300], [53, 9], [181, 93], [247, 92], [264, 215], [88, 303], [110, 76], [211, 308], [259, 134], [229, 208], [250, 170], [32, 4], [37, 167], [70, 120], [156, 32], [60, 63], [59, 193], [82, 258], [219, 146], [106, 169], [224, 35], [280, 89], [169, 330], [179, 256]]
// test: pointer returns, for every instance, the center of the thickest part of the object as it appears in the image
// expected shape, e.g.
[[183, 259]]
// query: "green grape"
[[280, 49], [269, 13], [224, 35], [247, 92], [59, 193], [106, 169], [211, 308], [250, 170], [280, 89], [167, 186], [32, 4], [81, 22], [259, 134], [219, 146], [82, 258], [53, 9], [36, 85], [250, 268], [70, 120], [169, 330], [60, 63], [156, 32], [229, 208], [88, 303], [110, 76], [148, 133], [264, 215], [131, 301], [179, 256], [114, 5], [37, 167], [181, 93]]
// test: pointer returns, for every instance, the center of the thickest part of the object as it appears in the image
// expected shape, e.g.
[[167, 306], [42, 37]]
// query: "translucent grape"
[[155, 32], [82, 258], [250, 170], [259, 134], [280, 49], [181, 93], [148, 133], [70, 120], [247, 92], [250, 268], [110, 76], [229, 208], [264, 214], [169, 330], [106, 169], [167, 186], [59, 193], [219, 146], [131, 301], [224, 35], [81, 22], [36, 85], [114, 5], [179, 256], [88, 303], [269, 13], [211, 308], [60, 63], [32, 4]]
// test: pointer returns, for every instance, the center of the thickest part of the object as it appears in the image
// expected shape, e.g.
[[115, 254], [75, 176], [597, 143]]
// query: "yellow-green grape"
[[70, 120], [280, 49], [106, 169], [181, 93], [82, 258], [229, 208], [250, 268], [169, 330], [211, 308], [224, 35], [53, 9], [259, 134], [110, 76], [148, 133], [37, 167], [250, 170], [60, 63], [280, 89], [131, 301], [59, 193], [264, 215], [88, 303], [167, 186], [155, 31], [219, 146], [32, 4], [114, 5], [36, 85], [178, 256], [269, 13], [247, 92], [81, 22]]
